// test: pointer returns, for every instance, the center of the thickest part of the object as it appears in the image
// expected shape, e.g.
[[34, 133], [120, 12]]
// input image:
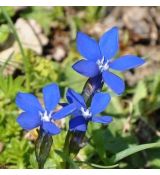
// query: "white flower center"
[[102, 64], [86, 113], [45, 116]]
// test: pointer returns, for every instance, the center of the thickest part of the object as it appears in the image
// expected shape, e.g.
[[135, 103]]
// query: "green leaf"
[[10, 86], [116, 106], [67, 159], [155, 88], [4, 33], [6, 63], [140, 92], [15, 154], [10, 10], [153, 157], [132, 150], [155, 163], [99, 142]]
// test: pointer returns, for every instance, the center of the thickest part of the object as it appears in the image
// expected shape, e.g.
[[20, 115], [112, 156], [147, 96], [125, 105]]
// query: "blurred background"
[[48, 36]]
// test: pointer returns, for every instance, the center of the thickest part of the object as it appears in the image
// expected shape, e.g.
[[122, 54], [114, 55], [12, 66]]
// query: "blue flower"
[[83, 115], [35, 115], [98, 59]]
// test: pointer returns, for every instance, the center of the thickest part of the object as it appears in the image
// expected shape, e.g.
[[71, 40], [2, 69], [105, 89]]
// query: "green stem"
[[25, 59], [74, 139], [66, 149]]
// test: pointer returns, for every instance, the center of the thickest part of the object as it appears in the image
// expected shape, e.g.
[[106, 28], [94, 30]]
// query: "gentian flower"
[[98, 59], [83, 114], [35, 115]]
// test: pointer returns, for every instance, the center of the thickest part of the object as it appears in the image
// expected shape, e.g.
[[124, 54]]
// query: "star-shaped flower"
[[83, 114], [35, 115], [98, 59]]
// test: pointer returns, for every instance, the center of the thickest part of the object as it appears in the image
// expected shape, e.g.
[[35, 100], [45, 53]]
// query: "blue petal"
[[28, 120], [51, 96], [114, 82], [88, 47], [86, 68], [102, 119], [78, 123], [74, 97], [99, 102], [126, 62], [28, 102], [109, 43], [50, 128], [64, 111]]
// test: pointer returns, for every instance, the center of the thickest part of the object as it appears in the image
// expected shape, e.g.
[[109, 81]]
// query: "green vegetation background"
[[135, 114]]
